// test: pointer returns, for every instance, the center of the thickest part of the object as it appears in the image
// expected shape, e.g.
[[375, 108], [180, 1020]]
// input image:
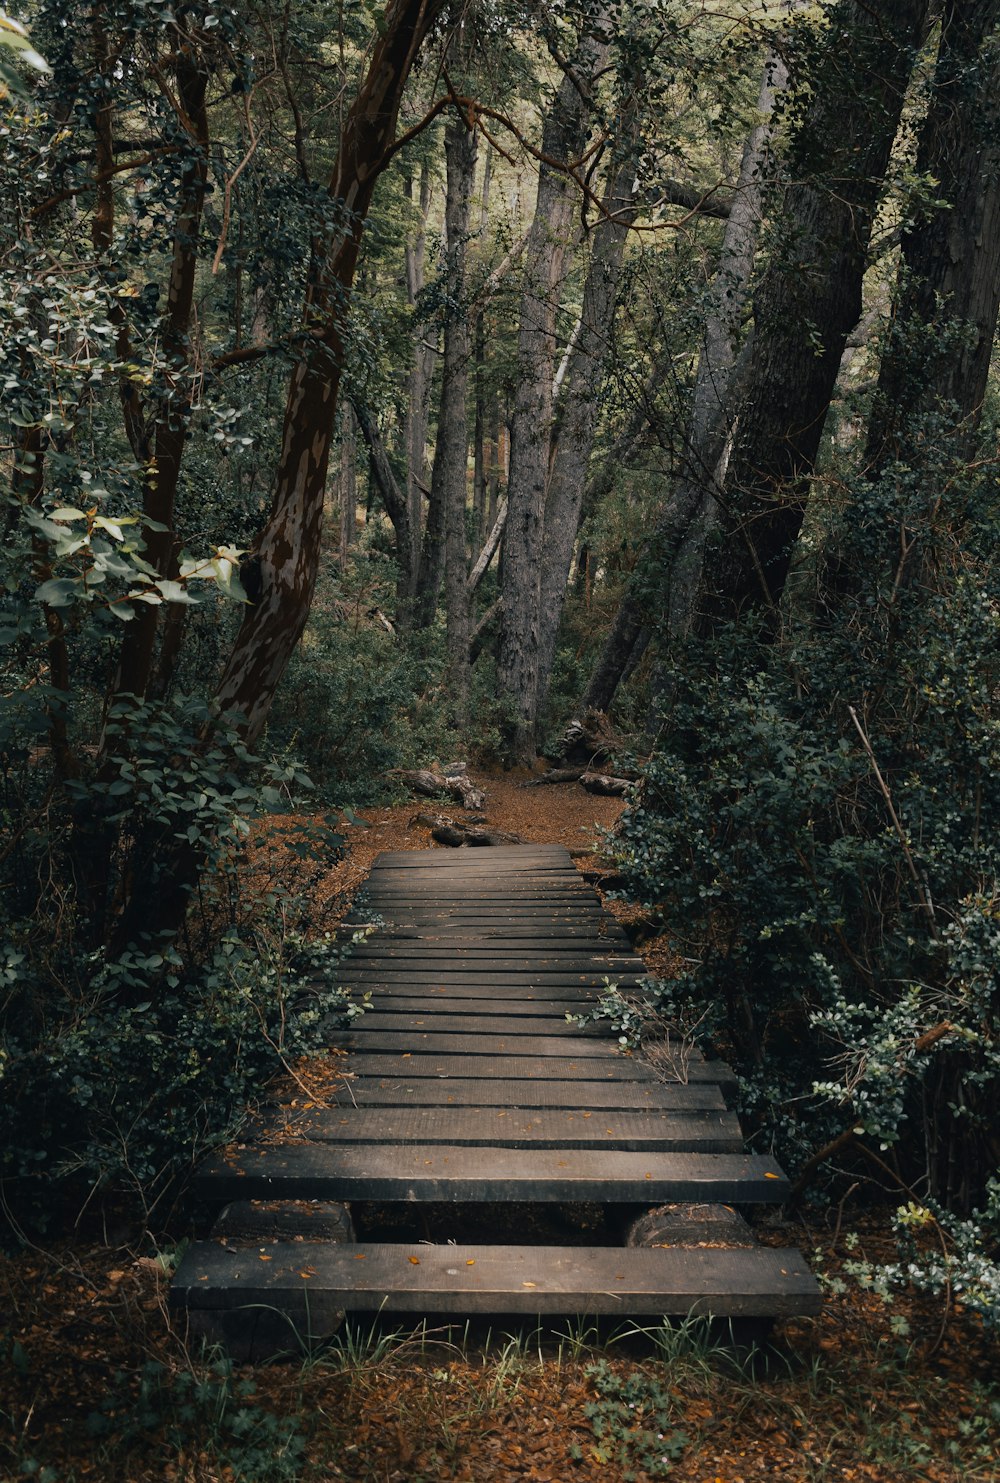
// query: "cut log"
[[690, 1225]]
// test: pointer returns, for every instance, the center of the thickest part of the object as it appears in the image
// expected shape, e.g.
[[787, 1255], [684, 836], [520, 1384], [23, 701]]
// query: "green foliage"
[[358, 699], [634, 1423], [125, 1098], [170, 1410], [820, 828]]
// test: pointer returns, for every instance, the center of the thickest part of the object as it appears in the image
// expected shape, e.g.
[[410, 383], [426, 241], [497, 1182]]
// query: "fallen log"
[[598, 782], [558, 775], [456, 833], [432, 784]]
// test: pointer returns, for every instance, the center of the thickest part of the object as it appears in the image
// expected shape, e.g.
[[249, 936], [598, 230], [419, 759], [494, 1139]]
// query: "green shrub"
[[819, 827]]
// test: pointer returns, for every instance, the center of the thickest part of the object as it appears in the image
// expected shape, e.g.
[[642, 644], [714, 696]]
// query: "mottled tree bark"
[[452, 452], [660, 590], [576, 417], [564, 137], [418, 390]]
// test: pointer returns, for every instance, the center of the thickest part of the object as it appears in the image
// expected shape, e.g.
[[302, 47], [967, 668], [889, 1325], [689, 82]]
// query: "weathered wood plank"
[[446, 1005], [461, 977], [525, 1067], [428, 1041], [504, 1127], [370, 1277], [430, 955], [456, 1091], [404, 986], [448, 1173], [474, 1022]]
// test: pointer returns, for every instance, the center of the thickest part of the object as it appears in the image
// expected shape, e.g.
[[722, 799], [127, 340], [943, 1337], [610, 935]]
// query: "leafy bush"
[[359, 699], [820, 828]]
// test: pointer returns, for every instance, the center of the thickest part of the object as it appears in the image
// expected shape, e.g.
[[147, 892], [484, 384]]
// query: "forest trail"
[[466, 1083]]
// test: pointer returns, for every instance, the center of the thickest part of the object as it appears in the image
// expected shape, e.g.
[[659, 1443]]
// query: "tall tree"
[[849, 99], [564, 140], [945, 314], [451, 454]]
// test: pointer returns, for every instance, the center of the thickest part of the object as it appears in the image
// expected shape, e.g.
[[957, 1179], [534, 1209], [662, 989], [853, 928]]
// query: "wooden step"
[[455, 1174], [444, 1006], [530, 1280], [445, 993], [469, 1022], [504, 1127], [526, 1067], [417, 1042], [381, 1091]]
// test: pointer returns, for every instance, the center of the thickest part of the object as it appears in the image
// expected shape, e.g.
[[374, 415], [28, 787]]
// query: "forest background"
[[384, 384]]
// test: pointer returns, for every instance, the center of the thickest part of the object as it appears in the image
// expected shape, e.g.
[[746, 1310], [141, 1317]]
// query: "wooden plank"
[[526, 1067], [574, 939], [448, 1173], [496, 1127], [427, 957], [429, 1041], [484, 889], [535, 998], [528, 1009], [473, 1023], [402, 1091], [462, 977], [530, 1280]]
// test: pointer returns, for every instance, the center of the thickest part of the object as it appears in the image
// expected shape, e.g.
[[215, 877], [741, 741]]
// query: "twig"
[[919, 881]]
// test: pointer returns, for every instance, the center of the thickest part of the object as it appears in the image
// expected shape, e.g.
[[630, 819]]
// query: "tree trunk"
[[289, 546], [809, 300], [564, 137], [950, 269], [347, 487], [393, 498], [578, 401], [418, 390], [654, 592], [452, 452]]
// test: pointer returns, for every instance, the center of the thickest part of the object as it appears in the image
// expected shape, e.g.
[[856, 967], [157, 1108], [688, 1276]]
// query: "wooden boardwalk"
[[468, 1084]]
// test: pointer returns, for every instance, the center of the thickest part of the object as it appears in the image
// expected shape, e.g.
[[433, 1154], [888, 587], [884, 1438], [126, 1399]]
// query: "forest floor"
[[97, 1382]]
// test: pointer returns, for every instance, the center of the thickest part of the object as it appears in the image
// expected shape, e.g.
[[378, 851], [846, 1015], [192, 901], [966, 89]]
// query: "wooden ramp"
[[467, 1084]]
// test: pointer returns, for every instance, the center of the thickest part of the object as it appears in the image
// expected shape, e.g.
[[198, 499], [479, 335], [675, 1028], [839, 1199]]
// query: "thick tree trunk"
[[289, 546], [452, 452], [578, 399], [660, 589], [564, 138], [950, 269], [809, 300]]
